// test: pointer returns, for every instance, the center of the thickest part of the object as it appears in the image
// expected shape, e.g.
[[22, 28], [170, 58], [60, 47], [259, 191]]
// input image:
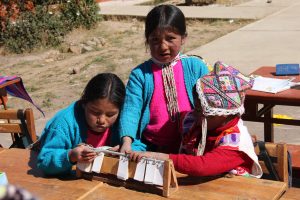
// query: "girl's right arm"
[[131, 112], [54, 156], [126, 144]]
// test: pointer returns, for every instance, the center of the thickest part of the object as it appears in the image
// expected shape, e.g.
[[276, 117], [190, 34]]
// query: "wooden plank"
[[30, 124], [10, 128], [282, 162], [202, 188], [167, 179], [291, 194], [271, 148], [10, 114]]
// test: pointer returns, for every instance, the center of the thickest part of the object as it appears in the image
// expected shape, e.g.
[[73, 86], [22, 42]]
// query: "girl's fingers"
[[115, 148], [137, 156], [89, 153], [87, 150], [140, 156], [132, 155], [88, 158]]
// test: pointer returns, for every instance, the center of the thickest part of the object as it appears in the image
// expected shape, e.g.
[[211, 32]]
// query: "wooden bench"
[[277, 151], [18, 122]]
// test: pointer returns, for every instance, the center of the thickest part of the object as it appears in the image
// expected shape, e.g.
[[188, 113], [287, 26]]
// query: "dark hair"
[[104, 85], [164, 17]]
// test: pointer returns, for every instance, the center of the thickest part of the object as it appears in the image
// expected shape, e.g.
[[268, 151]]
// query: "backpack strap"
[[22, 140], [264, 156], [26, 138], [290, 169]]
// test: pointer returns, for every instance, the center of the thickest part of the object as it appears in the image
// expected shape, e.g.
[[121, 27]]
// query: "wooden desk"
[[21, 170], [291, 194], [253, 113], [3, 93], [20, 166]]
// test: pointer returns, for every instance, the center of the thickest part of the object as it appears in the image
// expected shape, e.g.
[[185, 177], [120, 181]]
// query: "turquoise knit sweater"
[[135, 114], [62, 133]]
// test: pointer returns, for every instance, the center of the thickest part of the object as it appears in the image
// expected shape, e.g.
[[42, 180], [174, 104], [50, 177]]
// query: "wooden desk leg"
[[268, 126], [251, 109]]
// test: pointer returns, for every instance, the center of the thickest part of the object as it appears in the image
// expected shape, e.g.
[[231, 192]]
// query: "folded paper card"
[[272, 85], [97, 163], [140, 170], [150, 172], [159, 174], [123, 168], [84, 166]]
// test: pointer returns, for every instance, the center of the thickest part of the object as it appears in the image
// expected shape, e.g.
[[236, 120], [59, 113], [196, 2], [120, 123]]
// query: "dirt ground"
[[56, 77]]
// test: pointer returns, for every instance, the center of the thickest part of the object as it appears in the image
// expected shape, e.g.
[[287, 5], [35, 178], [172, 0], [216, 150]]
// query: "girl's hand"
[[81, 154], [115, 148], [137, 156], [126, 146]]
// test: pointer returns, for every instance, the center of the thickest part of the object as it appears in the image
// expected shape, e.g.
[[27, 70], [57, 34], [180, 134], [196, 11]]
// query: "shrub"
[[200, 2], [81, 13], [27, 24]]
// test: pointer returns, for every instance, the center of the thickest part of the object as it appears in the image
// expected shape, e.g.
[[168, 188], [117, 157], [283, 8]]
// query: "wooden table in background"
[[20, 167], [254, 113]]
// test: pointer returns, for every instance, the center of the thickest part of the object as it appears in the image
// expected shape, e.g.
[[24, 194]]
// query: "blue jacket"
[[135, 114], [63, 132]]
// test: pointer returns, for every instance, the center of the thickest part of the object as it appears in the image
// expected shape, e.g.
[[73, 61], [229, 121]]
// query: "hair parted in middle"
[[165, 17], [104, 85]]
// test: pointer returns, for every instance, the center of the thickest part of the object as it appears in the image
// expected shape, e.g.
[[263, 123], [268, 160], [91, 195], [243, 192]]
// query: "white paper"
[[159, 173], [97, 164], [123, 168], [84, 166], [140, 170], [150, 172], [100, 149], [271, 85]]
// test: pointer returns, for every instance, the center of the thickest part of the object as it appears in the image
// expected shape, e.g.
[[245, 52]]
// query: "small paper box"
[[3, 178], [287, 69]]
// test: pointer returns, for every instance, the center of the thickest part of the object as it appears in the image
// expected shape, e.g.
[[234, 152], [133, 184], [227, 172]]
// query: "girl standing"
[[160, 89], [89, 120]]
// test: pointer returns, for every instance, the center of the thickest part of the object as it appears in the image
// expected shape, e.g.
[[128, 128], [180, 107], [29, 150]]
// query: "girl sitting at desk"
[[214, 139], [89, 120]]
